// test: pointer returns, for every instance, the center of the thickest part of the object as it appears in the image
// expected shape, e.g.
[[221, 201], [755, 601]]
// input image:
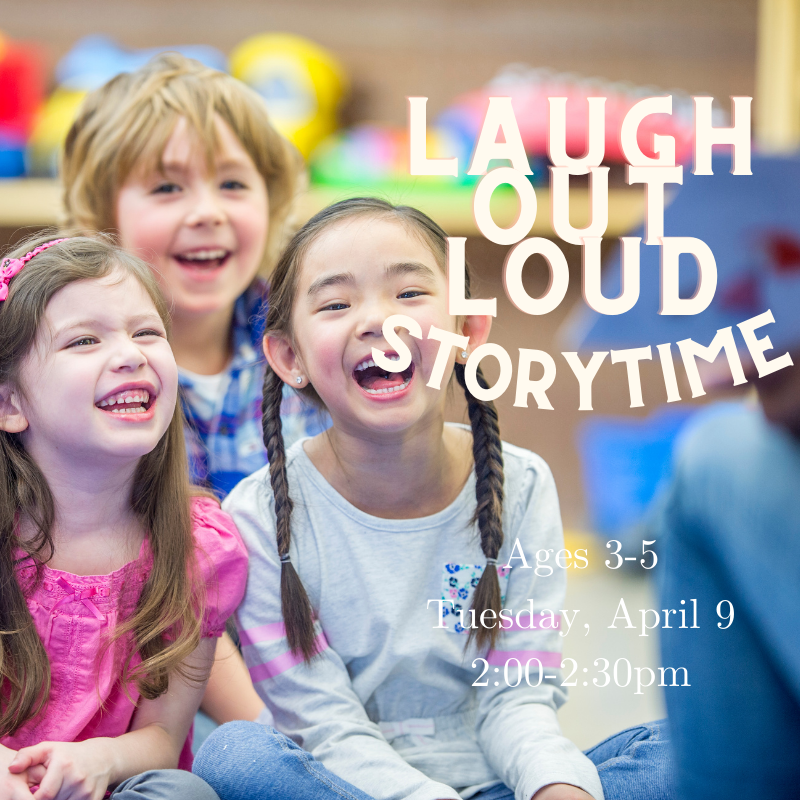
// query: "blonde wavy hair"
[[124, 126]]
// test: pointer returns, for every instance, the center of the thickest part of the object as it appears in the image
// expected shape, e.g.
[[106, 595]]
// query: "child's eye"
[[334, 307], [148, 332], [83, 341], [232, 184], [166, 188], [408, 293]]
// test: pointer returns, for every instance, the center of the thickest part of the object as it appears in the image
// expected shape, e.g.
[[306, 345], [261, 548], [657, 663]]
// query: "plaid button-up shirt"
[[223, 436]]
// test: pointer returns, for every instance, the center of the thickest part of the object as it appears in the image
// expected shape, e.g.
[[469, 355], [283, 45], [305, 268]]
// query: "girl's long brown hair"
[[166, 623], [486, 447]]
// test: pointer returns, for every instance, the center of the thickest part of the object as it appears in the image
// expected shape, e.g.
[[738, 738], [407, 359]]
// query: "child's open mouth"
[[204, 260], [376, 380], [128, 401]]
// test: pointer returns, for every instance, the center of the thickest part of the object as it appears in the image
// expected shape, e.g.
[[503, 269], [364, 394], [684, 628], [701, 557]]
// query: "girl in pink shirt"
[[115, 576]]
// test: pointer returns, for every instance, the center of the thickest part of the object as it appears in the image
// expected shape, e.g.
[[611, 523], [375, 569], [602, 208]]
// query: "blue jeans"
[[731, 531], [164, 784], [244, 760], [248, 761]]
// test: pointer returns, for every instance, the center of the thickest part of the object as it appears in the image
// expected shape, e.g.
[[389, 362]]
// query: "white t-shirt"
[[210, 388]]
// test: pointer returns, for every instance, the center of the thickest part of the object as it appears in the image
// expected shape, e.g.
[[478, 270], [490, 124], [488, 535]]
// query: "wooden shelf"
[[29, 201], [37, 201]]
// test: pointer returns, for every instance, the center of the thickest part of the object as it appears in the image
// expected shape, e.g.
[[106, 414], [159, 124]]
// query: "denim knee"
[[239, 756], [228, 744], [246, 760], [636, 763], [621, 743]]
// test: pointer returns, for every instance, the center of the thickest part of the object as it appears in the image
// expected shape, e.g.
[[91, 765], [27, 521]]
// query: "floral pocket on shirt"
[[458, 587]]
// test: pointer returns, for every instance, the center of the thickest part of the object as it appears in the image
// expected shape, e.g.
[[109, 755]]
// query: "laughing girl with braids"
[[366, 542]]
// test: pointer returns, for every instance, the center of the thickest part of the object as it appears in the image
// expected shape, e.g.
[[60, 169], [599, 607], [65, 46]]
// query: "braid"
[[488, 457], [295, 605]]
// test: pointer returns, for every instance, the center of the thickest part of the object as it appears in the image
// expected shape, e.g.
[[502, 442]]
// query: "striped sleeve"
[[517, 726], [314, 704], [260, 639]]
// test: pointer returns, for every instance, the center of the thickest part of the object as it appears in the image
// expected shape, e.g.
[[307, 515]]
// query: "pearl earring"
[[464, 354], [299, 379]]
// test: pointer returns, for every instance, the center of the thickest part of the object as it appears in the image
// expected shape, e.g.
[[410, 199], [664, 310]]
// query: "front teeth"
[[136, 396], [370, 363], [204, 255], [389, 390]]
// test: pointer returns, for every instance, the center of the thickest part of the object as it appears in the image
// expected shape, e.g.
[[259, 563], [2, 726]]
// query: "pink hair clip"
[[11, 266]]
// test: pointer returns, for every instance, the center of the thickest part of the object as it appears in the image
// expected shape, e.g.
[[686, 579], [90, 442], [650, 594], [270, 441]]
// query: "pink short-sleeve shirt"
[[73, 615]]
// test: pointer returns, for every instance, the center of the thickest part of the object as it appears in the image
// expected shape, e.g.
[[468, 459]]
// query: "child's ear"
[[283, 359], [477, 327], [12, 420]]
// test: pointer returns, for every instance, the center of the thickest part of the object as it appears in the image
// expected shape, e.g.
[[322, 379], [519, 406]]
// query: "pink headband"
[[12, 266]]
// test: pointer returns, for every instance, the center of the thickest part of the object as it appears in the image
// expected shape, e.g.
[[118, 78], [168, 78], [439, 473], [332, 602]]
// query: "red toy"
[[21, 86]]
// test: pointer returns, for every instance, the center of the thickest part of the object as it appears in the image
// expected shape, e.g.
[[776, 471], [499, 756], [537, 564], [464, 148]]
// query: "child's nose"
[[206, 209], [372, 318], [127, 356]]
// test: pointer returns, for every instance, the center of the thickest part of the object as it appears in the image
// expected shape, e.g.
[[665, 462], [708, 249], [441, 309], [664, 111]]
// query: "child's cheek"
[[326, 361], [253, 235]]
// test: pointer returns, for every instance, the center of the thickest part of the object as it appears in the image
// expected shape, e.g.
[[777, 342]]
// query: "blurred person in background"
[[732, 543]]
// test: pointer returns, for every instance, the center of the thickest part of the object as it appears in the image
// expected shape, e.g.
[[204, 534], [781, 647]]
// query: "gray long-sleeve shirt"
[[391, 703]]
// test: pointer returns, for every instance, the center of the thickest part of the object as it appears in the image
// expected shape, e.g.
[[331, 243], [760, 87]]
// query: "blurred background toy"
[[301, 82], [21, 94], [96, 59], [529, 89], [377, 156]]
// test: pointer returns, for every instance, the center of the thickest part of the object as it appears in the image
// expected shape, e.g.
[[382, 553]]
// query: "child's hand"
[[74, 770], [13, 786], [561, 791]]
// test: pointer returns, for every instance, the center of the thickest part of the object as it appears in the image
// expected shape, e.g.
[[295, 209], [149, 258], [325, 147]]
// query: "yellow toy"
[[301, 82], [51, 129]]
